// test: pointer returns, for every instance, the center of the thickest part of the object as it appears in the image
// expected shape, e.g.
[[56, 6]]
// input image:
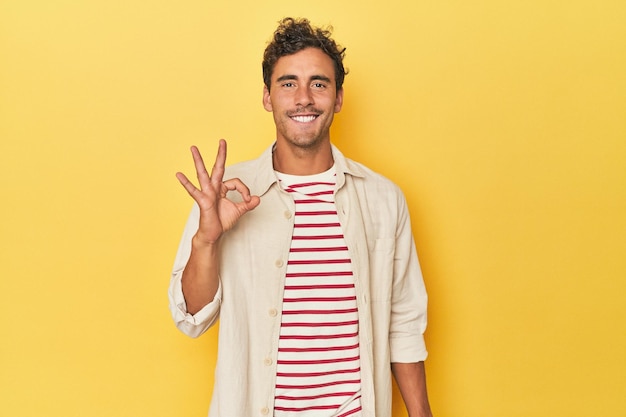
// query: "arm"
[[218, 214], [200, 278], [409, 319], [411, 379]]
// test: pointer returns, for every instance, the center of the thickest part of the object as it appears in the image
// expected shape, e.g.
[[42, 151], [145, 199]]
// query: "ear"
[[267, 100], [339, 100]]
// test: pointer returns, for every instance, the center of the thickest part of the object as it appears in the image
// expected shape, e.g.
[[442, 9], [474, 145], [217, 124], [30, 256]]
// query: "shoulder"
[[371, 180], [257, 174], [363, 176], [242, 169]]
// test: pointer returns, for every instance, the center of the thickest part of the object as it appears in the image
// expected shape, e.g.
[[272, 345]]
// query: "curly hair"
[[294, 35]]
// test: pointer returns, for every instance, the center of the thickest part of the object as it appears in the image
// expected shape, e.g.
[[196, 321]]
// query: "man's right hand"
[[217, 213]]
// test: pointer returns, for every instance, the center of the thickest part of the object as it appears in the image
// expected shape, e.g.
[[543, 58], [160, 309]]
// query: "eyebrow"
[[294, 77]]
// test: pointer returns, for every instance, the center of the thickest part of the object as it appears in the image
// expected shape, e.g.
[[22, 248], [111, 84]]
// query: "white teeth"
[[303, 119]]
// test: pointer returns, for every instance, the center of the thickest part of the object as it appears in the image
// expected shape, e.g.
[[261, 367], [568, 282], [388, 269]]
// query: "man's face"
[[303, 97]]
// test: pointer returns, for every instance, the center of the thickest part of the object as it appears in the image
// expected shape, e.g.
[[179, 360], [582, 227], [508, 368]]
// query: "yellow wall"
[[503, 121]]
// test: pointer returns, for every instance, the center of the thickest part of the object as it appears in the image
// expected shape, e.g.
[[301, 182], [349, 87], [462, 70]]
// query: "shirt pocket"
[[381, 269]]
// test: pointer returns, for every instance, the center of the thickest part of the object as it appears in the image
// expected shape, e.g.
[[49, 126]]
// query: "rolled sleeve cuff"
[[408, 349], [192, 325]]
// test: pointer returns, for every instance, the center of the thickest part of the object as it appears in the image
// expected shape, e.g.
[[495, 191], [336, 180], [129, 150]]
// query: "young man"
[[307, 258]]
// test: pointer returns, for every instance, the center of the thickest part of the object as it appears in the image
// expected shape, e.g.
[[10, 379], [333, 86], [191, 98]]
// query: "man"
[[307, 258]]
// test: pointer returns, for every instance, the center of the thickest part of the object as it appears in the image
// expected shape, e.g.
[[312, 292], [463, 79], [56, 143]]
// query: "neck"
[[294, 160]]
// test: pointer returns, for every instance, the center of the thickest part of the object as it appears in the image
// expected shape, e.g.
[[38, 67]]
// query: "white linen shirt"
[[391, 297]]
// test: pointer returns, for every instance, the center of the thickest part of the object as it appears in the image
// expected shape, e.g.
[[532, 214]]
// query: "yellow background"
[[503, 121]]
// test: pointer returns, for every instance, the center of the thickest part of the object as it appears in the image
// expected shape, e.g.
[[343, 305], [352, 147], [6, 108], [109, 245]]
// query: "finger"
[[235, 184], [182, 178], [249, 201], [217, 173], [251, 204], [201, 172]]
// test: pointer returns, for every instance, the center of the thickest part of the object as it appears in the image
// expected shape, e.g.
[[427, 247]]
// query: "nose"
[[303, 96]]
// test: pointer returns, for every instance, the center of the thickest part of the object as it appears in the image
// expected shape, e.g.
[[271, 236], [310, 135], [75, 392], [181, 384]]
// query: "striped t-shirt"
[[318, 364]]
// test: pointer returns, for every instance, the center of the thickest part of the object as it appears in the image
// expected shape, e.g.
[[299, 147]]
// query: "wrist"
[[422, 412], [198, 242]]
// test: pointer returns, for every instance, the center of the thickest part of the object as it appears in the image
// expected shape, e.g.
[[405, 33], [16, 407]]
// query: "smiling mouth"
[[304, 119]]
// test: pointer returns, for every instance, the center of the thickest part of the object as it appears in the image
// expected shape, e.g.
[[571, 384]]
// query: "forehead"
[[304, 64]]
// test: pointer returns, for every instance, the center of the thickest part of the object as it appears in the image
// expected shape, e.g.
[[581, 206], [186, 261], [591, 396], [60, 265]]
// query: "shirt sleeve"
[[409, 299], [192, 325]]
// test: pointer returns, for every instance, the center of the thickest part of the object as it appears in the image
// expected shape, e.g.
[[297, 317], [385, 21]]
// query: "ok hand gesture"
[[217, 213]]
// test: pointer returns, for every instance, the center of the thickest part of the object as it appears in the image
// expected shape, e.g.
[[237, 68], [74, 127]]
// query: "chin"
[[306, 143]]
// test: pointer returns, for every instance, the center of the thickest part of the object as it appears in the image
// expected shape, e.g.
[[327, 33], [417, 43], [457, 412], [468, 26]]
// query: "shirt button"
[[265, 411], [279, 263], [273, 312], [287, 214], [267, 361]]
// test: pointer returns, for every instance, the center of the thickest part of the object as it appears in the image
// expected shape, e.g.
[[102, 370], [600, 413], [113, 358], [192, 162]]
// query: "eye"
[[288, 84], [319, 85]]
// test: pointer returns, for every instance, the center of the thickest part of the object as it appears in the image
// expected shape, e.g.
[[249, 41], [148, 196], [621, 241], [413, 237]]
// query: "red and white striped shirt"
[[318, 364]]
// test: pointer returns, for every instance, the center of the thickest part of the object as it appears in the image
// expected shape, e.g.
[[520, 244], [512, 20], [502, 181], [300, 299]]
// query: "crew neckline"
[[322, 176]]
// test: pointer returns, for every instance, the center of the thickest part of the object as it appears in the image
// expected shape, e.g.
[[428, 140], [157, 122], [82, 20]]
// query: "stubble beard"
[[307, 141]]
